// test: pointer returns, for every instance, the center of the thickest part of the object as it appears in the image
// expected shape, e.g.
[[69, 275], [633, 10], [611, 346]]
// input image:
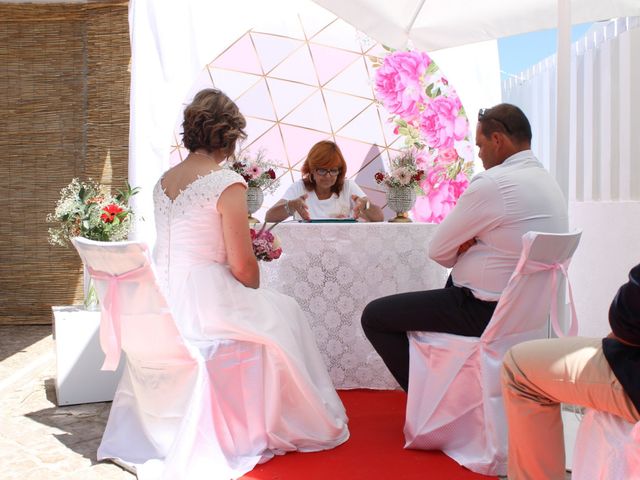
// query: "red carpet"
[[374, 450]]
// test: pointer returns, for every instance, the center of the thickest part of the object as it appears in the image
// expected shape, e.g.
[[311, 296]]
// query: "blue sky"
[[519, 52]]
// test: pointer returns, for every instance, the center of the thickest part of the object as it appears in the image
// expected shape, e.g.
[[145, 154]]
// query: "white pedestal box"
[[79, 358]]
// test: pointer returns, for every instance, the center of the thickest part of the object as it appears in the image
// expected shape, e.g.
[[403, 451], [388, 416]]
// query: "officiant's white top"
[[336, 206], [499, 207], [303, 411]]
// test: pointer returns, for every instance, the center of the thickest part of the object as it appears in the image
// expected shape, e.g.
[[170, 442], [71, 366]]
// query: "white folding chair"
[[455, 401], [607, 447], [180, 411]]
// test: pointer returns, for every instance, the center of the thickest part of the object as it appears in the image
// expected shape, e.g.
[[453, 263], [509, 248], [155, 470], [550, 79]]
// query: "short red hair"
[[324, 154]]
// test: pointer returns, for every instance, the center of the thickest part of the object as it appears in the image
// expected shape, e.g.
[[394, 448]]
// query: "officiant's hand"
[[360, 204], [300, 205]]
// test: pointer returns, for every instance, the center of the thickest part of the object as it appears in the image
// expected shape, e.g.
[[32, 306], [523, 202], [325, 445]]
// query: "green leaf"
[[429, 90]]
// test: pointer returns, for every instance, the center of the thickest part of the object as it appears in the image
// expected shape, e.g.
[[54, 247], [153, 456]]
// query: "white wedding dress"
[[302, 410]]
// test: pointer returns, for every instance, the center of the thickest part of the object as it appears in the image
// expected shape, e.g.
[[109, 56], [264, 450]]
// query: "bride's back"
[[189, 226]]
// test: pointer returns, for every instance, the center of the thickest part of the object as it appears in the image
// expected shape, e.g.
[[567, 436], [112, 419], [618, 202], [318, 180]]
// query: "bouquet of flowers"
[[87, 209], [266, 246], [256, 172], [428, 113], [403, 172]]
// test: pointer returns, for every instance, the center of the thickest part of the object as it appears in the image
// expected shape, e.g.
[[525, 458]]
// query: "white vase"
[[255, 197], [90, 299], [401, 200]]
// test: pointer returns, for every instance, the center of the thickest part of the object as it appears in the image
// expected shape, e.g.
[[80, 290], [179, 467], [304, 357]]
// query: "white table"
[[334, 270], [79, 358]]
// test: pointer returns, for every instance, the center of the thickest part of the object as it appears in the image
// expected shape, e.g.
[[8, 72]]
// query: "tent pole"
[[560, 162]]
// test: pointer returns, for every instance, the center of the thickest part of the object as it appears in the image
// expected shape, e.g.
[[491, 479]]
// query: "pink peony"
[[448, 155], [398, 83], [441, 195], [441, 124]]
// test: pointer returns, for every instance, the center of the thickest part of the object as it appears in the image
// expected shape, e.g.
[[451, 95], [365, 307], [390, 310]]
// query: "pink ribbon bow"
[[531, 266], [110, 319]]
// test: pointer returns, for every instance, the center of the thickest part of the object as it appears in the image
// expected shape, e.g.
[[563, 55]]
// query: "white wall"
[[604, 159], [609, 247]]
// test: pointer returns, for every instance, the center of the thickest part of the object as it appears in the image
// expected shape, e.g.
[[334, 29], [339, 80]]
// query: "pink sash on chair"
[[527, 266], [110, 318]]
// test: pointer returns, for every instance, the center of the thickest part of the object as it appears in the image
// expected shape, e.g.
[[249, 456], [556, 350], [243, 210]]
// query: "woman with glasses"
[[324, 192]]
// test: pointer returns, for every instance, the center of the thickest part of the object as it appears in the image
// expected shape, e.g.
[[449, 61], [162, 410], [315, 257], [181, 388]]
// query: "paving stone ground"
[[38, 439]]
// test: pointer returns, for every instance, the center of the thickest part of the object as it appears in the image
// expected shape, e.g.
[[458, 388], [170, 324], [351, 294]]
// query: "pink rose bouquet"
[[266, 245]]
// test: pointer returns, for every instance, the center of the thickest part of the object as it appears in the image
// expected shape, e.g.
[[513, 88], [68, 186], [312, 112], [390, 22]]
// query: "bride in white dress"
[[206, 267]]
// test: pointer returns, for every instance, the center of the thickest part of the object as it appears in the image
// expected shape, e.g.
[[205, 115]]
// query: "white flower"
[[402, 175]]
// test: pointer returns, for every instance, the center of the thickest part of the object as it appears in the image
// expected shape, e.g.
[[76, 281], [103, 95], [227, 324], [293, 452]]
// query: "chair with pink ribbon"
[[454, 400], [180, 411]]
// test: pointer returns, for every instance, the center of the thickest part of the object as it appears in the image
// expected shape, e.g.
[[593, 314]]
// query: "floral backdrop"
[[318, 78], [430, 117]]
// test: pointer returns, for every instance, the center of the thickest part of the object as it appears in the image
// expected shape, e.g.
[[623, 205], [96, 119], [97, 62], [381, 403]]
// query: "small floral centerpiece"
[[87, 209], [266, 245], [429, 116], [403, 172], [257, 172]]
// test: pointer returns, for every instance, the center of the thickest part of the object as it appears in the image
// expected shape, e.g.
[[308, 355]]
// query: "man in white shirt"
[[480, 240]]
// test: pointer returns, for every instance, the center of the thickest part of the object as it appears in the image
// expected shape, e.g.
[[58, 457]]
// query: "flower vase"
[[255, 197], [401, 200], [90, 300]]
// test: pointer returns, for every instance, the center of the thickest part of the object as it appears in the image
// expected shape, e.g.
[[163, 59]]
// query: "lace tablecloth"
[[334, 270]]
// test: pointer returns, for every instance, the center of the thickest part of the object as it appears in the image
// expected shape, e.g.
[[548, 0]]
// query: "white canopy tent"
[[430, 26]]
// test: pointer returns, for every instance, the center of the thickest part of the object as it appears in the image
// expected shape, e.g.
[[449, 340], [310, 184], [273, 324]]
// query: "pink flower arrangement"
[[428, 114], [266, 246], [404, 172], [256, 172]]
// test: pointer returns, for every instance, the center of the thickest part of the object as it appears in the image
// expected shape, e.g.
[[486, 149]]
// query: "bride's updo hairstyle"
[[212, 122]]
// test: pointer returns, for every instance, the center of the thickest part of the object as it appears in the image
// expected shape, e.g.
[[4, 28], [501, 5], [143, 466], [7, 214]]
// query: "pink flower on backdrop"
[[448, 155], [424, 159], [398, 83], [441, 195], [440, 123]]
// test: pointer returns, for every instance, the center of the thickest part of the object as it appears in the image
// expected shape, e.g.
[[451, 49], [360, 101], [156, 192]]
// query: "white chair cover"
[[455, 400], [607, 448], [180, 411]]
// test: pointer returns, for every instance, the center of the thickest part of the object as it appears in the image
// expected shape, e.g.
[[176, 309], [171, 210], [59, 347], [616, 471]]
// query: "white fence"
[[604, 160], [605, 111]]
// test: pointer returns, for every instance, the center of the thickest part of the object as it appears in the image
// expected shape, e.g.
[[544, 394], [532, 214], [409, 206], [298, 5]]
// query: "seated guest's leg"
[[536, 377], [386, 320]]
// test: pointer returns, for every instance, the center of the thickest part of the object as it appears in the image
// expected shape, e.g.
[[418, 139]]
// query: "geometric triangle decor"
[[353, 80], [339, 35], [298, 67], [299, 140], [256, 103], [273, 49], [343, 107], [312, 113], [240, 57], [330, 61], [366, 127], [287, 95]]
